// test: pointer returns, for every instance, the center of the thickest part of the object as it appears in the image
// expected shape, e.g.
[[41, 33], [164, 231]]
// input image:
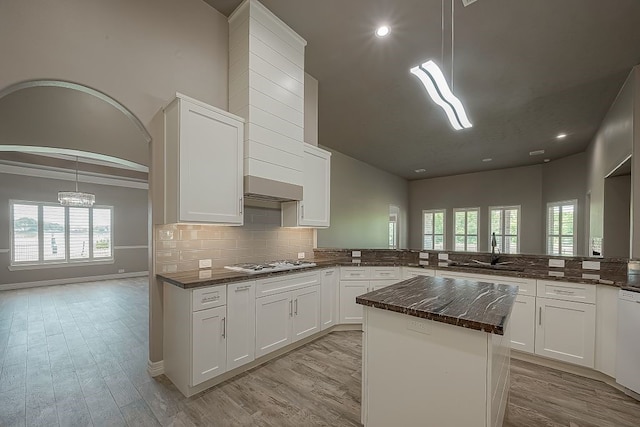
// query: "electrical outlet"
[[300, 255], [356, 254], [419, 326], [204, 263], [121, 270], [424, 255], [443, 256], [591, 265], [556, 263]]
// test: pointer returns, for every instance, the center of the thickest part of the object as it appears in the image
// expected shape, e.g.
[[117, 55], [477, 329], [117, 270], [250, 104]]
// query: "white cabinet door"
[[204, 149], [273, 322], [328, 298], [522, 323], [306, 312], [566, 330], [209, 344], [350, 312], [241, 324], [314, 209]]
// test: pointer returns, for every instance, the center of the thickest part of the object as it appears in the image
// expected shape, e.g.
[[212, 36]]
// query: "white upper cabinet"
[[203, 163], [266, 87], [314, 208]]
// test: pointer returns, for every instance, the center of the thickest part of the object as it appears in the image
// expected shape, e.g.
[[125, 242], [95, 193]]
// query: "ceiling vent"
[[466, 3]]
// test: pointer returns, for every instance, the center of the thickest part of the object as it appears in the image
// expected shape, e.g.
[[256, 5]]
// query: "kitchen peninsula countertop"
[[219, 276], [474, 305]]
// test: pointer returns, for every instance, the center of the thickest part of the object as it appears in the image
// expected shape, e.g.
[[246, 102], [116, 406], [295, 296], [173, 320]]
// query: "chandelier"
[[76, 198]]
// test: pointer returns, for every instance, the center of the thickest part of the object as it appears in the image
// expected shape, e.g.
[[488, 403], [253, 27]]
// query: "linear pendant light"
[[433, 80]]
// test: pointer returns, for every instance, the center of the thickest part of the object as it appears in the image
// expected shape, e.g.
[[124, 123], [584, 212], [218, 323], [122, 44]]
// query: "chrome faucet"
[[494, 257]]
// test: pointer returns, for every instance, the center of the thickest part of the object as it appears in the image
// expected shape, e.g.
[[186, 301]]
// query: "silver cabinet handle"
[[243, 288], [224, 327], [563, 292], [240, 204], [302, 207], [290, 308], [540, 316], [296, 305]]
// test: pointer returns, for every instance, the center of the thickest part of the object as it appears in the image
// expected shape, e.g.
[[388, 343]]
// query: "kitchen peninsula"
[[426, 331]]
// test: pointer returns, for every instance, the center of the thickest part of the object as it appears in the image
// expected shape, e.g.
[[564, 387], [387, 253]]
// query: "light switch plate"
[[591, 265], [591, 276], [423, 262], [204, 263], [556, 273], [424, 255], [556, 263], [300, 255], [443, 256], [205, 274], [356, 254]]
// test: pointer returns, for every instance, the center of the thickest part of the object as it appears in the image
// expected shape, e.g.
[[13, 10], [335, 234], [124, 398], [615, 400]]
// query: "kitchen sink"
[[485, 266]]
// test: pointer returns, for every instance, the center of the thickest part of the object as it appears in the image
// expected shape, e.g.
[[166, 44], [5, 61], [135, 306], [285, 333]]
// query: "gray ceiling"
[[525, 71]]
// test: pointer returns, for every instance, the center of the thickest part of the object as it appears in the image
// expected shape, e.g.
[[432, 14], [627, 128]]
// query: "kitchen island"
[[436, 352]]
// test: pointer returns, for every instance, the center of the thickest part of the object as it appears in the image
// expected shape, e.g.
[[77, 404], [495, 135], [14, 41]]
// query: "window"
[[465, 229], [433, 229], [47, 233], [394, 213], [505, 222], [561, 227]]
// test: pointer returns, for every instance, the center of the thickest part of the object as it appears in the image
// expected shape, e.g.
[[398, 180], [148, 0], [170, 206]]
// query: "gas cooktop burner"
[[270, 266]]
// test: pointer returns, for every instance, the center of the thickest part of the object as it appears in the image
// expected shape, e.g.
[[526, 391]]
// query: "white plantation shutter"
[[25, 233], [102, 245], [505, 222], [561, 225], [79, 233], [465, 229], [54, 241], [433, 229]]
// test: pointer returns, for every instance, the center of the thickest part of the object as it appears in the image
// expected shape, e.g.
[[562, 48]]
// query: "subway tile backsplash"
[[180, 246]]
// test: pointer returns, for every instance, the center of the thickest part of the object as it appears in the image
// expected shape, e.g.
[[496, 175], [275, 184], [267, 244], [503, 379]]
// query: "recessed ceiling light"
[[488, 159], [420, 170], [383, 31], [547, 160], [561, 135], [536, 152]]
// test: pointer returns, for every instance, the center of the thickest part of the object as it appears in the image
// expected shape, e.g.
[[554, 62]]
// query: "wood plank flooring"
[[76, 355]]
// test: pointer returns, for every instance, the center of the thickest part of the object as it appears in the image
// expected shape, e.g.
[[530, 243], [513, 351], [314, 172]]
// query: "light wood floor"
[[76, 355]]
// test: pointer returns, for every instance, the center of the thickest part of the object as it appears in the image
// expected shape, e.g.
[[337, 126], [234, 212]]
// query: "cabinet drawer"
[[214, 296], [355, 273], [409, 272], [276, 285], [525, 286], [385, 272], [579, 292]]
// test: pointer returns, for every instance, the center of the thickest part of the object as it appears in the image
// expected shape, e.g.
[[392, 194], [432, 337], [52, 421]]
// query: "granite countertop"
[[219, 276], [474, 305]]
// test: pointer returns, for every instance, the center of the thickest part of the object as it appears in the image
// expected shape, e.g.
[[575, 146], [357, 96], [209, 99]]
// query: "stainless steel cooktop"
[[270, 266]]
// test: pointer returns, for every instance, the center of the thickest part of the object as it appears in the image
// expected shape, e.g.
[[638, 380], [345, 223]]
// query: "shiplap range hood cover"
[[266, 88]]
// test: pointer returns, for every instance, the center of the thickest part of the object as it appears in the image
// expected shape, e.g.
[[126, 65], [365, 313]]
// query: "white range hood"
[[266, 88]]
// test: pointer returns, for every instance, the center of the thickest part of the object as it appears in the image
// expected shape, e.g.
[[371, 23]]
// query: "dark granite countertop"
[[218, 276], [474, 305]]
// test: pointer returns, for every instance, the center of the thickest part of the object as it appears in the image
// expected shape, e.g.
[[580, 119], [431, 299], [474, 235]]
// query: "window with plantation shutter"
[[465, 229], [47, 233], [505, 222], [561, 227], [433, 226]]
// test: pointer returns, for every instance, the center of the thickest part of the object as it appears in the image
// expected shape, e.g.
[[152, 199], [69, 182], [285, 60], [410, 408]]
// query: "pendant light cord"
[[76, 174], [452, 40], [442, 32]]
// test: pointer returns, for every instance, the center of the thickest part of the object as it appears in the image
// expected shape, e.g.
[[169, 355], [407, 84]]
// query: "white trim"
[[518, 208], [65, 175], [616, 168], [70, 280], [444, 229], [131, 247], [20, 267], [155, 368]]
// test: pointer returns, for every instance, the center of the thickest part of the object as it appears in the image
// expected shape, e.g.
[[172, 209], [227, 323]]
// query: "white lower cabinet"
[[356, 281], [328, 298], [209, 355], [241, 324], [566, 330], [523, 323], [290, 313]]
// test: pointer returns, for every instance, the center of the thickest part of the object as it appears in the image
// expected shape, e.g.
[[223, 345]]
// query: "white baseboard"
[[25, 285], [155, 368]]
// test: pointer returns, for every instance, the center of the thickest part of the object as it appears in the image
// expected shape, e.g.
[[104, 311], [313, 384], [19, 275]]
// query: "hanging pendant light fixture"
[[76, 198], [436, 84]]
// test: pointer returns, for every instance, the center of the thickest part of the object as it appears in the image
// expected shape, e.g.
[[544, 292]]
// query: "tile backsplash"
[[178, 247]]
